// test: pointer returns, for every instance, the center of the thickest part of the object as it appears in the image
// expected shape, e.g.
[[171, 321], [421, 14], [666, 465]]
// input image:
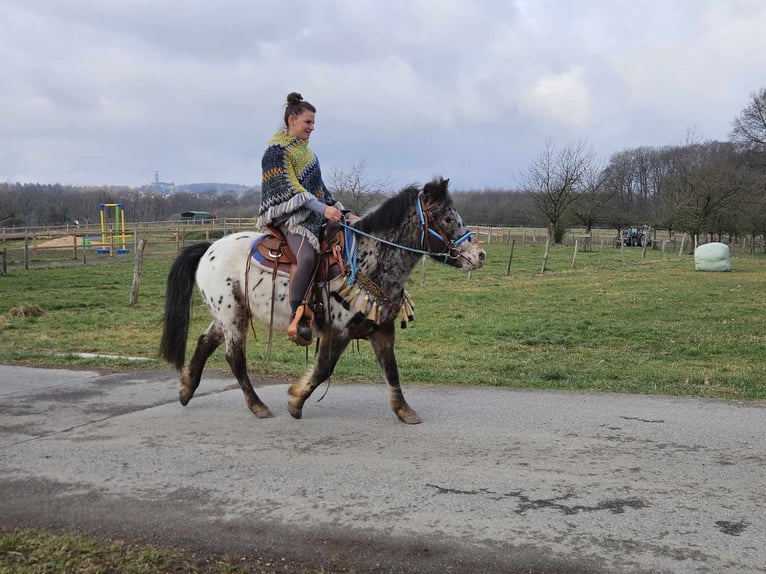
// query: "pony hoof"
[[183, 398], [295, 412], [409, 417], [262, 412]]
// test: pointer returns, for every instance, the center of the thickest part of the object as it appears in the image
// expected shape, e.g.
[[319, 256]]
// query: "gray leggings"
[[306, 256]]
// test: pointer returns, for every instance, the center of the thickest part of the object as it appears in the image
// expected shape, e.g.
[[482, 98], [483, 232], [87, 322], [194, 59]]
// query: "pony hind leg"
[[207, 343], [237, 359], [382, 341], [331, 347]]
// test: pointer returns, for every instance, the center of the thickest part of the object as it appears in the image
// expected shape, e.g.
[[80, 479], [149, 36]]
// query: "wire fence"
[[40, 247]]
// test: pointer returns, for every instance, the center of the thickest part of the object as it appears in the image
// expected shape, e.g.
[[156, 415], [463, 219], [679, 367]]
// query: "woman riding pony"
[[296, 201]]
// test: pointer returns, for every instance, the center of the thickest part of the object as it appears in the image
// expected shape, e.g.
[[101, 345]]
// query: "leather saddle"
[[272, 252]]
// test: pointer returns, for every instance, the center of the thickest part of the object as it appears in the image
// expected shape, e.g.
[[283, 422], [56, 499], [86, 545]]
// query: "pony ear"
[[435, 191]]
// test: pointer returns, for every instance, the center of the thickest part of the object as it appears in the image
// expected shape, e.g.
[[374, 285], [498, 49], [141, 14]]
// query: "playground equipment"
[[119, 226]]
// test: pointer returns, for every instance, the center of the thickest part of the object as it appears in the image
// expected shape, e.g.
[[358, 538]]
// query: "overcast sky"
[[105, 92]]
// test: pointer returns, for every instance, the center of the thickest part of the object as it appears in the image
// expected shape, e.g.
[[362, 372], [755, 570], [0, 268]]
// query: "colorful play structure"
[[118, 209]]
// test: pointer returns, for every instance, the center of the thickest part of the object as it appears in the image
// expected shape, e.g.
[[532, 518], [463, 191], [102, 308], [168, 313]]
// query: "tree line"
[[709, 188]]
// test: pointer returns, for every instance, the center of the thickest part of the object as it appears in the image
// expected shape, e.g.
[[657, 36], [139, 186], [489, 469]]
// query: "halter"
[[430, 228]]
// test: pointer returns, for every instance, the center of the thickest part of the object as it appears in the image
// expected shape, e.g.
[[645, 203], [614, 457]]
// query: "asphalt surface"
[[493, 480]]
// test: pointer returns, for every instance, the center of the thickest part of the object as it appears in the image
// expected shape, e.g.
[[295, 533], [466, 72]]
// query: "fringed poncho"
[[292, 177]]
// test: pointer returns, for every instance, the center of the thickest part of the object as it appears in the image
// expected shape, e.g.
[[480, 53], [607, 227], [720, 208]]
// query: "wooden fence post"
[[510, 258], [683, 243], [574, 257], [545, 256], [137, 267]]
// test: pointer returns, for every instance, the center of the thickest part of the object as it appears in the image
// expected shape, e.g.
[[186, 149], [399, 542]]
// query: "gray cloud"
[[107, 92]]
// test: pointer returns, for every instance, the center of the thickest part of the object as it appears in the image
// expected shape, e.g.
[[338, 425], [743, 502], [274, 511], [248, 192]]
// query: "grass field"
[[645, 326], [25, 551]]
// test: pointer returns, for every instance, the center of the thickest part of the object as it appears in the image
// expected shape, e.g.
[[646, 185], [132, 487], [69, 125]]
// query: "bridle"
[[430, 229]]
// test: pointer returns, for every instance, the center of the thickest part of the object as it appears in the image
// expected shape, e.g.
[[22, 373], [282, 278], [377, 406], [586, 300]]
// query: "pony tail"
[[175, 321]]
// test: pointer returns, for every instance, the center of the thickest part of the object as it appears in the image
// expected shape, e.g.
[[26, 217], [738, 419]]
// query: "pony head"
[[442, 229]]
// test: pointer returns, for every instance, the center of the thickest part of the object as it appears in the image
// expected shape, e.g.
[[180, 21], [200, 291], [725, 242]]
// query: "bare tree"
[[554, 182], [492, 207], [594, 198], [354, 189], [749, 128], [752, 211], [705, 187]]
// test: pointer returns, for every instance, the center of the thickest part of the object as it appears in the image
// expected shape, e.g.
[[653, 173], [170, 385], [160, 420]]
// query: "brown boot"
[[299, 330]]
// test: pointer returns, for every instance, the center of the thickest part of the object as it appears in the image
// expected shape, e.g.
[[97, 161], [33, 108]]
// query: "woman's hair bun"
[[294, 98]]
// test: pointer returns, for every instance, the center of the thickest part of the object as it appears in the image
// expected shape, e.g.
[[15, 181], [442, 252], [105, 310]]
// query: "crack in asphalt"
[[615, 506], [642, 420]]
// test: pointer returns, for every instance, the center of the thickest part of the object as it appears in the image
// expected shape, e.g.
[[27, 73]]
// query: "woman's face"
[[302, 125]]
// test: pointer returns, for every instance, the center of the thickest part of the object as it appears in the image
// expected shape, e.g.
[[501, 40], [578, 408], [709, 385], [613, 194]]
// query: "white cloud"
[[562, 97]]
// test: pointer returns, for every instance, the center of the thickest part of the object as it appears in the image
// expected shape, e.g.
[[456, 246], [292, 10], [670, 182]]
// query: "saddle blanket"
[[261, 261]]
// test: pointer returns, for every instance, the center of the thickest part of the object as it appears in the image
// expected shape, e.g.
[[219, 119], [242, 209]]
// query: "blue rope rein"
[[351, 253], [351, 246]]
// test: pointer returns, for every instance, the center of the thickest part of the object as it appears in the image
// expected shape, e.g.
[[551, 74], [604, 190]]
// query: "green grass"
[[642, 326], [27, 551]]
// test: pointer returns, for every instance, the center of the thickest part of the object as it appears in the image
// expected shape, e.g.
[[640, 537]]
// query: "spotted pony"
[[388, 242]]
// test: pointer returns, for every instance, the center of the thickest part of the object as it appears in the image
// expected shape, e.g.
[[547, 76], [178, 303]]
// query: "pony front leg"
[[382, 341], [331, 347]]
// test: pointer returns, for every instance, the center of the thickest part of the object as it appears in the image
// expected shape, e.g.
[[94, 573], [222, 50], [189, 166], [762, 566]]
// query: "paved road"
[[493, 481]]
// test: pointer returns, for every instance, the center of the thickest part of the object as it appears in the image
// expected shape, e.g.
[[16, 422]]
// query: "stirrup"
[[300, 331]]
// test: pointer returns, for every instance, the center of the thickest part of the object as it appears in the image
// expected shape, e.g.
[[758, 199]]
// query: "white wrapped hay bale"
[[712, 257]]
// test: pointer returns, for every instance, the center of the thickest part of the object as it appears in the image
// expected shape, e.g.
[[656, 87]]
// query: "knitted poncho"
[[291, 177]]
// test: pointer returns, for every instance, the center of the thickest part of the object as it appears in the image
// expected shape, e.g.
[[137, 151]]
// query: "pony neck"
[[389, 266]]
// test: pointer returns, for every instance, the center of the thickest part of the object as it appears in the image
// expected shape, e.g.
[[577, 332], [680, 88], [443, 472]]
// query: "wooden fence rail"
[[32, 247]]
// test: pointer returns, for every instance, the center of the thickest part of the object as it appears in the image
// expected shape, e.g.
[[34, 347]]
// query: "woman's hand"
[[333, 214], [351, 217]]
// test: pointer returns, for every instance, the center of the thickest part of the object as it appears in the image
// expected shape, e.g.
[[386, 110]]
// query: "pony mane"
[[390, 213]]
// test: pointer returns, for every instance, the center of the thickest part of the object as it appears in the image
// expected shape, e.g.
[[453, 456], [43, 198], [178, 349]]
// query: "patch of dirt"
[[65, 241]]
